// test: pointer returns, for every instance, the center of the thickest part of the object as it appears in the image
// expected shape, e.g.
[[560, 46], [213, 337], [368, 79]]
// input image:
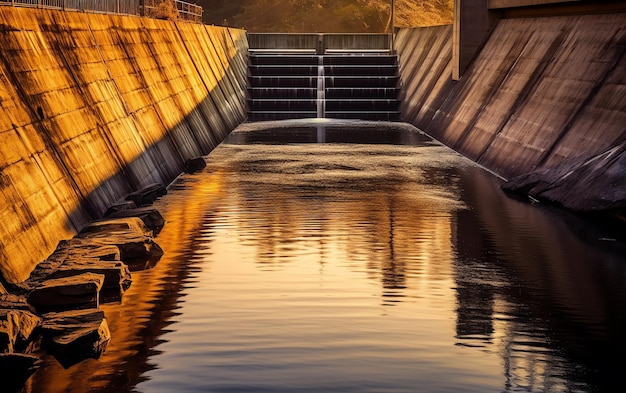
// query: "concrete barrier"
[[93, 107], [541, 90]]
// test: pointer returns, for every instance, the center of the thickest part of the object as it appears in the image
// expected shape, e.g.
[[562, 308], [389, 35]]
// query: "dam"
[[325, 252]]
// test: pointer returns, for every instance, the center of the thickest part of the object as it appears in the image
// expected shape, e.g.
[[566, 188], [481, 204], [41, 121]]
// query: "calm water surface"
[[340, 259]]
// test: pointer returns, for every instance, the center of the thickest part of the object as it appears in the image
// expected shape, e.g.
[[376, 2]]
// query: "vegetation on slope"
[[357, 16]]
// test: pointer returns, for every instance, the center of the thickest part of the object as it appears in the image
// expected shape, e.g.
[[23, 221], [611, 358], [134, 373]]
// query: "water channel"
[[330, 256]]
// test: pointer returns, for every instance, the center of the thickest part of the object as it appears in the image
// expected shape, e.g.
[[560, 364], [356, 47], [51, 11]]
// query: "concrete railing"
[[319, 43], [149, 8]]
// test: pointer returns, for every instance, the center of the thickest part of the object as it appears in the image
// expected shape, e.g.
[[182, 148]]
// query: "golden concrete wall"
[[541, 90], [93, 107]]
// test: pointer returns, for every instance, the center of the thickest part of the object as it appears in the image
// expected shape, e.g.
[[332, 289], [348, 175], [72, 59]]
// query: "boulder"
[[115, 226], [107, 253], [115, 273], [15, 369], [130, 235], [75, 292], [147, 195], [16, 328], [194, 165], [15, 302], [120, 206], [589, 184], [74, 336], [137, 251], [151, 217]]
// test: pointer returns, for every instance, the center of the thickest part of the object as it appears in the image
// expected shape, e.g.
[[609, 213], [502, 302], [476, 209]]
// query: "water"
[[378, 261]]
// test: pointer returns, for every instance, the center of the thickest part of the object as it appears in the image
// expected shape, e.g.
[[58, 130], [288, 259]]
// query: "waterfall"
[[321, 88]]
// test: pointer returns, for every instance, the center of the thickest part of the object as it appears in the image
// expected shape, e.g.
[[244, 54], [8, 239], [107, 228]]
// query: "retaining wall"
[[93, 107], [540, 91]]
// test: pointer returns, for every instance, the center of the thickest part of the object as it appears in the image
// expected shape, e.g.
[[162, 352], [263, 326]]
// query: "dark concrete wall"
[[523, 3], [472, 25], [541, 90], [93, 107]]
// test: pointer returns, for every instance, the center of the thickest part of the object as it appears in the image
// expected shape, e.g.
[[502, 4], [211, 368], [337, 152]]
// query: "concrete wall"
[[93, 107], [523, 3], [540, 91], [472, 25]]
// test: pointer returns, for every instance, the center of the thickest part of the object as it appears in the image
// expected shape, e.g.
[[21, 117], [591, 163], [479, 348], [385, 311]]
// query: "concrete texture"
[[601, 179], [472, 26], [93, 107], [541, 90], [523, 3]]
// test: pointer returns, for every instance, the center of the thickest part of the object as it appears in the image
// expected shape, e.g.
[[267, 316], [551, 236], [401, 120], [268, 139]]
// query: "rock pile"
[[57, 308]]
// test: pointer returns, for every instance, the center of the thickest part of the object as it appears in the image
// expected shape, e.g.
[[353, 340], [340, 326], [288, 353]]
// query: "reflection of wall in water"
[[562, 287], [395, 230]]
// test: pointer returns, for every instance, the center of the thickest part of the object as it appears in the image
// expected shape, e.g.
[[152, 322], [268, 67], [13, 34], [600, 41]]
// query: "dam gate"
[[345, 76]]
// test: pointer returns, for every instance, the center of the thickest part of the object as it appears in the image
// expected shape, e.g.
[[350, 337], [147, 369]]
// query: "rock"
[[15, 302], [7, 334], [115, 273], [590, 184], [15, 369], [81, 291], [74, 336], [136, 251], [151, 217], [113, 226], [130, 235], [16, 328], [108, 253], [147, 195], [96, 258], [194, 165], [120, 206]]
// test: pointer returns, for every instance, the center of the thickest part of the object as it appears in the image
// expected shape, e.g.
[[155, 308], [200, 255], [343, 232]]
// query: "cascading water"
[[321, 88]]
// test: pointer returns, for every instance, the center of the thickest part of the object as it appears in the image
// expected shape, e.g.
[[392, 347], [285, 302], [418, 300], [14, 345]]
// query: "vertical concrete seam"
[[574, 116], [150, 49], [502, 75], [439, 68], [204, 120], [206, 87], [43, 131], [533, 80], [100, 123]]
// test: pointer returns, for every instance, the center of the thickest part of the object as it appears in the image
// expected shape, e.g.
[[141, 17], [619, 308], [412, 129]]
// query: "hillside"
[[356, 16]]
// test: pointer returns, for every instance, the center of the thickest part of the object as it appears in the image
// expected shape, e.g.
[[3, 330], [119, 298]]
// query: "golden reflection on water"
[[346, 267]]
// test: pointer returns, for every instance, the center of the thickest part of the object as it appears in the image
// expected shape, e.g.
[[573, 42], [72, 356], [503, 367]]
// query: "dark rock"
[[16, 328], [74, 336], [15, 302], [15, 369], [81, 291], [93, 255], [151, 217], [147, 195], [194, 165], [120, 206], [116, 274], [591, 184]]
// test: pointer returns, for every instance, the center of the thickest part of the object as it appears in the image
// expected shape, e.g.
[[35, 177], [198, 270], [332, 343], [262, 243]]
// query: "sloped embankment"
[[94, 107], [541, 91]]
